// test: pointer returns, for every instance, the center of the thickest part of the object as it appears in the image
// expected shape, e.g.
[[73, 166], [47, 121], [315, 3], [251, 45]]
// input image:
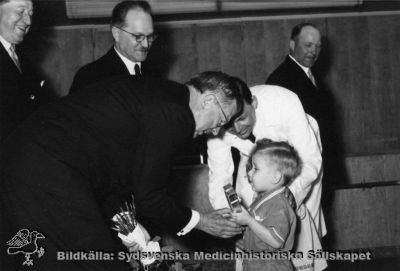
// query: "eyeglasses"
[[140, 37], [225, 120]]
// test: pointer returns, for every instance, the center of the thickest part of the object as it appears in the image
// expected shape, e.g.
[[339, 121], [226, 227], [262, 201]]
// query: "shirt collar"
[[5, 43], [266, 197], [128, 63], [305, 69]]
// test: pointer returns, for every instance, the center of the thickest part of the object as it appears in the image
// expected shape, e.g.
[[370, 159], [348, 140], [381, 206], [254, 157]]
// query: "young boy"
[[270, 220]]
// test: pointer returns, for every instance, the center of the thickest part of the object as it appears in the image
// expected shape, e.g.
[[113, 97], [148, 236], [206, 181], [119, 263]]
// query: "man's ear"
[[254, 101], [292, 43], [115, 33], [207, 100]]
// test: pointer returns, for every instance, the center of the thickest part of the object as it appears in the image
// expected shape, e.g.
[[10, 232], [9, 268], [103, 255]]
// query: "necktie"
[[14, 57], [252, 138], [310, 75], [137, 70]]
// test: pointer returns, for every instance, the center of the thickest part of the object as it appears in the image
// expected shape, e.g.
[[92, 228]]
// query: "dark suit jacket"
[[73, 163], [108, 65], [111, 65], [289, 75], [20, 93]]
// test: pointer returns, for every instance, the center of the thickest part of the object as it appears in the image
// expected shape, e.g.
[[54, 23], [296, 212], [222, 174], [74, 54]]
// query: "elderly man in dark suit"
[[70, 167], [20, 90], [133, 34]]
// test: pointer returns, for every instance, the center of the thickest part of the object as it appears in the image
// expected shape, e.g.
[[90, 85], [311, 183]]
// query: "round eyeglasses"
[[140, 37]]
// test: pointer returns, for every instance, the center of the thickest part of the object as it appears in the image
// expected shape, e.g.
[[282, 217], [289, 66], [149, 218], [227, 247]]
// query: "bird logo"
[[25, 242]]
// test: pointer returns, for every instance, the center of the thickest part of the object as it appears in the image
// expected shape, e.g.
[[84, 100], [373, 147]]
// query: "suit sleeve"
[[160, 129], [81, 79], [303, 138]]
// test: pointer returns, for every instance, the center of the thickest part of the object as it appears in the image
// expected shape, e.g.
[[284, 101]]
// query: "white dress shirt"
[[5, 43], [279, 117]]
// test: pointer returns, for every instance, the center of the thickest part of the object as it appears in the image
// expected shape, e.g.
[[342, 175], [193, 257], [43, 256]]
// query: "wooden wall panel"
[[366, 168], [276, 36], [255, 53], [53, 51], [366, 218], [379, 103], [349, 76], [182, 56], [392, 211], [392, 32], [391, 167], [207, 47], [232, 50], [102, 41]]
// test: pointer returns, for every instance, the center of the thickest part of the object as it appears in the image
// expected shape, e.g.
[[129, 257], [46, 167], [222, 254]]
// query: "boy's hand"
[[242, 217]]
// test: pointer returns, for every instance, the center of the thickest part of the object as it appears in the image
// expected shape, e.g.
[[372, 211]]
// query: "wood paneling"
[[181, 51], [232, 50], [102, 42], [254, 49], [366, 218], [373, 168], [59, 54], [207, 47]]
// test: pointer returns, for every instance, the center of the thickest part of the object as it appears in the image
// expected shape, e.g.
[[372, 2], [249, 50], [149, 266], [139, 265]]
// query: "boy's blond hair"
[[286, 158]]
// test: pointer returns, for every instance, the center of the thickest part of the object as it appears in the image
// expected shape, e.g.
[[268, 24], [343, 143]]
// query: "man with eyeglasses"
[[133, 34], [67, 170]]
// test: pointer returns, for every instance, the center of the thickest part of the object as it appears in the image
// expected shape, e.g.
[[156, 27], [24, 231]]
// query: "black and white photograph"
[[199, 135]]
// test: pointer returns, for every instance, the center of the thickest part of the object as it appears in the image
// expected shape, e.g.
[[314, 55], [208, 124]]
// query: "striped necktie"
[[310, 75], [14, 57]]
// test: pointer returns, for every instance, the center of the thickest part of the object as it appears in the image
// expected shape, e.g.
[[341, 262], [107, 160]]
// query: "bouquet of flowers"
[[129, 231]]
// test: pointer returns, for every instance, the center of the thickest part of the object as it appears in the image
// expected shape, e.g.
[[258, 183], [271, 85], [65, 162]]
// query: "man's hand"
[[217, 223]]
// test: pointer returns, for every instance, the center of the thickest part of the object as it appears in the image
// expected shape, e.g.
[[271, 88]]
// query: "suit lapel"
[[7, 62], [301, 76], [116, 63]]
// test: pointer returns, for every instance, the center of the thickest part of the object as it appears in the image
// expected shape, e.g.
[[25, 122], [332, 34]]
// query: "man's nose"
[[27, 19], [313, 50], [145, 43]]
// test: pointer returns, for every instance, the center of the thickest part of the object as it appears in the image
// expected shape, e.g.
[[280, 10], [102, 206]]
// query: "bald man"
[[295, 74]]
